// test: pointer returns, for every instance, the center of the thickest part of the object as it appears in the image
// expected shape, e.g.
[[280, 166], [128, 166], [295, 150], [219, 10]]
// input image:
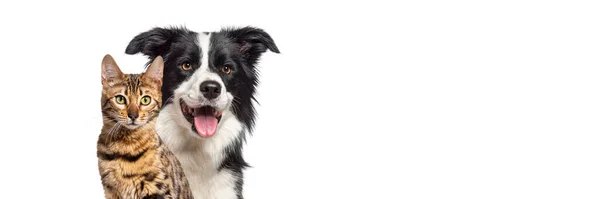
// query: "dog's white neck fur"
[[201, 157]]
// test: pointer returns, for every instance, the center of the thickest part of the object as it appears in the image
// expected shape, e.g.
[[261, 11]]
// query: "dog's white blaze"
[[201, 157], [204, 47], [204, 70]]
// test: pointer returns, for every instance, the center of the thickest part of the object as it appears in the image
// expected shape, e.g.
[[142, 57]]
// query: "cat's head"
[[130, 100]]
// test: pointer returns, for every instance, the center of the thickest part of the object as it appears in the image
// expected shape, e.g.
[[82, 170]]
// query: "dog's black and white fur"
[[213, 165]]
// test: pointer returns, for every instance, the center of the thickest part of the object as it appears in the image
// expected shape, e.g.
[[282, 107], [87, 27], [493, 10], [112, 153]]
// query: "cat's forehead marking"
[[134, 81], [117, 90]]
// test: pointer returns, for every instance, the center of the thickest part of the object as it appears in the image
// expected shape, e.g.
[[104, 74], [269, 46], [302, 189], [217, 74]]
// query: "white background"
[[416, 99]]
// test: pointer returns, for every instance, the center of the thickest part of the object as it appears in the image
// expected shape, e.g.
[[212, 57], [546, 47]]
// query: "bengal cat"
[[132, 160]]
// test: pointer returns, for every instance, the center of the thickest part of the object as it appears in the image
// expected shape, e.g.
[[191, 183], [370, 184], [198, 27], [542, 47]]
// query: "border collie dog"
[[208, 87]]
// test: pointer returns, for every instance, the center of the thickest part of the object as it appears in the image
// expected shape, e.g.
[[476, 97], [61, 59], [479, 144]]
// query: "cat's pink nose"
[[133, 116]]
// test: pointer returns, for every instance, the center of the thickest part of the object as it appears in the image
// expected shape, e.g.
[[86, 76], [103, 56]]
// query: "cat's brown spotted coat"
[[132, 160]]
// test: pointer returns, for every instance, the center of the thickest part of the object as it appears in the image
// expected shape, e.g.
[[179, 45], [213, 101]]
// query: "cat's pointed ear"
[[154, 72], [110, 69]]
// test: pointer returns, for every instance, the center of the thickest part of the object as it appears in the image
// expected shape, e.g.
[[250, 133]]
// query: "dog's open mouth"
[[204, 119]]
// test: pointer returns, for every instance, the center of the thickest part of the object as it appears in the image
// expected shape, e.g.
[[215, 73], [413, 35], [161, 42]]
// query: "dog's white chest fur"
[[205, 181], [200, 158]]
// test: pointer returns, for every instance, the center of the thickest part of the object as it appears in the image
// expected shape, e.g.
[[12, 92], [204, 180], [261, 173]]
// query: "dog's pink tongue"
[[206, 126]]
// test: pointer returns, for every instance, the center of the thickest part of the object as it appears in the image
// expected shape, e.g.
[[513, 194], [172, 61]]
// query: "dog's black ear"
[[252, 42], [152, 43]]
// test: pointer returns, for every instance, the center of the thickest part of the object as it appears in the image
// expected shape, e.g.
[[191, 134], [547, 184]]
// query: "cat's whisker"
[[114, 130], [110, 132]]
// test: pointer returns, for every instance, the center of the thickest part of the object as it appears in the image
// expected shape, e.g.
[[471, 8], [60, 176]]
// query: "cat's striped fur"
[[132, 160]]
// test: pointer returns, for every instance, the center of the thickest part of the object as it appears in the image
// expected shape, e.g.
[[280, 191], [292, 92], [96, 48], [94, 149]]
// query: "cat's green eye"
[[120, 99], [145, 100]]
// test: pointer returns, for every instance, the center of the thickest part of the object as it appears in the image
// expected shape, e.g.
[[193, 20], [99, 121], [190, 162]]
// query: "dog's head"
[[208, 76]]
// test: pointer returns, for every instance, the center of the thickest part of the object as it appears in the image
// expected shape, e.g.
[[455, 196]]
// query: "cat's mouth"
[[132, 125], [204, 119]]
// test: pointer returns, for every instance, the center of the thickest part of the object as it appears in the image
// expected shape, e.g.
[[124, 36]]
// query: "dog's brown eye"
[[226, 69], [186, 66]]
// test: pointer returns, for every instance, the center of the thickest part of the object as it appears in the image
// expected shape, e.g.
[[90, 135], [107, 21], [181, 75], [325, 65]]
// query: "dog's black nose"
[[210, 89]]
